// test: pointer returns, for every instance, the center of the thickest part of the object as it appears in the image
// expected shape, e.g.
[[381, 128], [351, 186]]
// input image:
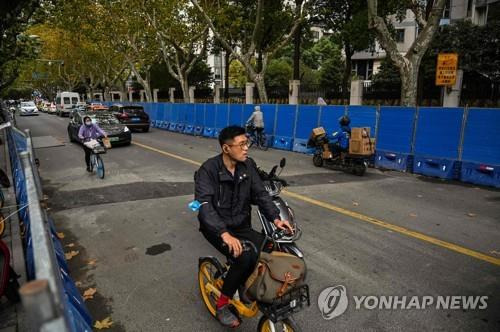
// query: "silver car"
[[28, 108]]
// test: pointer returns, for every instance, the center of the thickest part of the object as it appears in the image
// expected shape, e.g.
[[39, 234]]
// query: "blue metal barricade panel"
[[363, 116], [165, 125], [480, 173], [199, 111], [198, 130], [482, 136], [397, 161], [172, 126], [307, 120], [330, 117], [438, 132], [208, 132], [395, 129], [180, 127], [190, 116], [236, 115], [286, 120], [210, 113], [300, 145], [283, 143], [189, 129], [222, 116], [437, 167], [269, 112]]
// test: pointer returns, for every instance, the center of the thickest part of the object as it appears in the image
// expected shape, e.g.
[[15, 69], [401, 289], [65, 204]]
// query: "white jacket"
[[257, 119]]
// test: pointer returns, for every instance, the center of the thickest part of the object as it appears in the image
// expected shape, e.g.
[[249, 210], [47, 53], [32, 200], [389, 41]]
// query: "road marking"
[[359, 216], [167, 154]]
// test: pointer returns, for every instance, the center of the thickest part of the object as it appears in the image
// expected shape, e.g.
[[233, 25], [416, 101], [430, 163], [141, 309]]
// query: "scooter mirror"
[[283, 162]]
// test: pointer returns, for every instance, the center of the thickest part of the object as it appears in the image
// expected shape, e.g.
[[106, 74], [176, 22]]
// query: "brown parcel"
[[360, 133]]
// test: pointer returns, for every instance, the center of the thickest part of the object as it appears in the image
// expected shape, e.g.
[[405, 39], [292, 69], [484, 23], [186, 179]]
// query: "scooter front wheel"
[[317, 160], [287, 325]]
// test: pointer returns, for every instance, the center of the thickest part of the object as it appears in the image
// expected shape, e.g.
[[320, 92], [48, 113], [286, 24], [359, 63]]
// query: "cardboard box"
[[365, 146], [327, 155], [106, 143], [360, 133], [317, 132]]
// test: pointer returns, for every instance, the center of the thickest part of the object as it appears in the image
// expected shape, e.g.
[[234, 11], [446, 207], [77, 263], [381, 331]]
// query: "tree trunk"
[[184, 86], [296, 51], [261, 87], [226, 75], [346, 79], [409, 83]]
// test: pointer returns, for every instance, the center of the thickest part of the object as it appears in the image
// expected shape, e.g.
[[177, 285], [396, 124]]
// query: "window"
[[58, 100], [66, 101], [446, 10], [469, 8], [315, 35], [400, 36], [74, 100]]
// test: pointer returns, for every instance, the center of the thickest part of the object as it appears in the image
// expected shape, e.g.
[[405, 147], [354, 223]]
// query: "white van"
[[65, 101]]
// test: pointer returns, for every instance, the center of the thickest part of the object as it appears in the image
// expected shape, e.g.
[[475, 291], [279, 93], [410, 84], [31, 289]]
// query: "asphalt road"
[[385, 233]]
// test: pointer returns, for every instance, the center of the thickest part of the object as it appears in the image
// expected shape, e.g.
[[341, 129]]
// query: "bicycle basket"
[[99, 149], [288, 304]]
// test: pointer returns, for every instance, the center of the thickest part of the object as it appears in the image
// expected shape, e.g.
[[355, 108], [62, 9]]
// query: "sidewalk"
[[11, 315]]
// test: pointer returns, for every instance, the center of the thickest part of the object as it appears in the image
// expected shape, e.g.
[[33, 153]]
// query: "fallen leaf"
[[71, 254], [89, 293], [471, 214], [78, 284], [413, 215], [60, 235], [355, 203], [92, 262], [103, 324], [71, 245]]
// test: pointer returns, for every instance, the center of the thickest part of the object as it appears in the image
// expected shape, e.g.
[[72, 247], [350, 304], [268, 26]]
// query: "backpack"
[[276, 273]]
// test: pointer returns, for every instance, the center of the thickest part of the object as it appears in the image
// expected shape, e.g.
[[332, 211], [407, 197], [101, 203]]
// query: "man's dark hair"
[[230, 133]]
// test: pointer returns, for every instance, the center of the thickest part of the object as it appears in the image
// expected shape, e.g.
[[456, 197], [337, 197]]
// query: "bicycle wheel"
[[2, 224], [99, 167], [92, 162], [2, 198], [207, 270], [263, 142], [287, 325]]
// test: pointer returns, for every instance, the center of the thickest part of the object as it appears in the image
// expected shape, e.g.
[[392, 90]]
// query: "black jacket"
[[226, 200]]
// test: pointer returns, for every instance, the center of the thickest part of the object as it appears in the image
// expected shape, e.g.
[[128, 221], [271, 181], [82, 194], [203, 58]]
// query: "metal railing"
[[51, 300]]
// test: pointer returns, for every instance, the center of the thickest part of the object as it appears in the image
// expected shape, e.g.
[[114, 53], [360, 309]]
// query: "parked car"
[[131, 115], [52, 109], [118, 133], [28, 108]]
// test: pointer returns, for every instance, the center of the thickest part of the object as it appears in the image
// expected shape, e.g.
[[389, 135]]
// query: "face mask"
[[88, 123]]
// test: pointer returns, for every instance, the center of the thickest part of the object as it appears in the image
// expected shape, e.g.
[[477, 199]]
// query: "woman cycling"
[[87, 132]]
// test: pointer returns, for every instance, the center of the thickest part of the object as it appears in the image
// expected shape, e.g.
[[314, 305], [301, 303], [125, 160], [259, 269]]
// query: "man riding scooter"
[[339, 141]]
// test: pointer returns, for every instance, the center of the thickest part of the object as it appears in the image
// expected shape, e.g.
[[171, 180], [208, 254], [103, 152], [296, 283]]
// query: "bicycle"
[[257, 138], [96, 161], [276, 316]]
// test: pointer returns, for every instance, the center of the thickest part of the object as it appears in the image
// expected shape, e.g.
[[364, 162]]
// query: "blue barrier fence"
[[75, 316], [450, 143]]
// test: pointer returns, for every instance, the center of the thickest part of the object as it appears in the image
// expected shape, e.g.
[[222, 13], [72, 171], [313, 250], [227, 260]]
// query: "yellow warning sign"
[[446, 69]]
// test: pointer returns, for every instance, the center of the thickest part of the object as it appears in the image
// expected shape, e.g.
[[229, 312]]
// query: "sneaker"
[[88, 169], [226, 317]]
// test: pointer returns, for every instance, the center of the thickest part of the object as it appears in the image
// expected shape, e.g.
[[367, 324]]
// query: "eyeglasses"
[[242, 145]]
